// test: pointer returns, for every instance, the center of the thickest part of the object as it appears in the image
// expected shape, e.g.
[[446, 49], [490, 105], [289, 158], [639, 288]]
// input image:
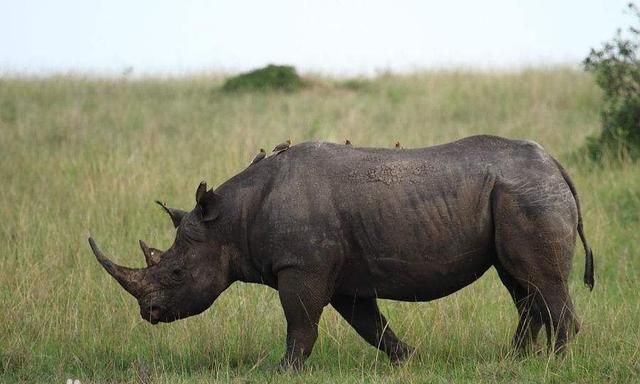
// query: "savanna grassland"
[[82, 155]]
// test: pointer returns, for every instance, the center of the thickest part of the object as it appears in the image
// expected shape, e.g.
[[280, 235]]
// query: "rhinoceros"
[[333, 224]]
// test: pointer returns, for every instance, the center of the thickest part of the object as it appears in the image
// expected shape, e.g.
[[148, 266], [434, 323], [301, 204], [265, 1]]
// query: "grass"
[[82, 155]]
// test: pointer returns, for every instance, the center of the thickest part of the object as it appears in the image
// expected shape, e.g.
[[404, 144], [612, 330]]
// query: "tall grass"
[[89, 155]]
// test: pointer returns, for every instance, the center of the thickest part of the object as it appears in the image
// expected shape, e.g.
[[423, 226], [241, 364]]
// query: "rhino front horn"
[[129, 278]]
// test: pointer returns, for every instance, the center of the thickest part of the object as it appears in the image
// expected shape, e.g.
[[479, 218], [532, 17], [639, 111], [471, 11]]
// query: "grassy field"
[[82, 156]]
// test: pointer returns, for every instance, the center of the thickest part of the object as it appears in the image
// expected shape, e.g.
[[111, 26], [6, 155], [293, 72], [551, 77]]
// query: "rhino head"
[[185, 279]]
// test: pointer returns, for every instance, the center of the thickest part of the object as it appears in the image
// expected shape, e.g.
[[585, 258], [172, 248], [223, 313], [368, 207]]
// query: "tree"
[[616, 67]]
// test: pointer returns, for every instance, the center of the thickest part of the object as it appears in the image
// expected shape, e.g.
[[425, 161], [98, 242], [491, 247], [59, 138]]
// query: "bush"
[[356, 84], [616, 67], [271, 77]]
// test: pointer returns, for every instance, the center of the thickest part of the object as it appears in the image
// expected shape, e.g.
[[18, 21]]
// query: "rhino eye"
[[177, 272]]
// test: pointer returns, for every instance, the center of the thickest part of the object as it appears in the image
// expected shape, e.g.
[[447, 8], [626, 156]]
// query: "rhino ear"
[[208, 202], [175, 214], [202, 189]]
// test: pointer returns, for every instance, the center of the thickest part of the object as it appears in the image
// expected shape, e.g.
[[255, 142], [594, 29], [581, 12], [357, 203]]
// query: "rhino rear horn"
[[175, 214], [129, 278], [151, 255]]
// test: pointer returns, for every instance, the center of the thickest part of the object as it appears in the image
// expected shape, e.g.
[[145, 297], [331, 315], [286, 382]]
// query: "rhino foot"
[[401, 353]]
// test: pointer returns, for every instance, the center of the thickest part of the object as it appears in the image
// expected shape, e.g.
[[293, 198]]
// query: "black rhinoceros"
[[334, 224]]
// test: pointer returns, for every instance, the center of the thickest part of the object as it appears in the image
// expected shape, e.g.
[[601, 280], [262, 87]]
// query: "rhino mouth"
[[152, 313]]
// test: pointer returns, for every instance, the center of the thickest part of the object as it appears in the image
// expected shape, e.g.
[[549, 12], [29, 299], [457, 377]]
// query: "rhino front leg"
[[303, 297], [365, 317]]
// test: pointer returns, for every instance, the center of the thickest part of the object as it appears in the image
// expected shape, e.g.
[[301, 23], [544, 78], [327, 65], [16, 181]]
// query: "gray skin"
[[333, 224]]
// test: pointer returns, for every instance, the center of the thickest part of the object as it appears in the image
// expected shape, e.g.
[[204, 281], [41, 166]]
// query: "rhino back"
[[384, 221]]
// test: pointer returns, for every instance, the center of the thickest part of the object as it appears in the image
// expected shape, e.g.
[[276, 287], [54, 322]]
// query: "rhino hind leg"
[[543, 300], [365, 317], [530, 320], [558, 314], [534, 243]]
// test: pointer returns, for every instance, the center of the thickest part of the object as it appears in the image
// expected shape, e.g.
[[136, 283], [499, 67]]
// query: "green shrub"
[[616, 67], [271, 77], [356, 84]]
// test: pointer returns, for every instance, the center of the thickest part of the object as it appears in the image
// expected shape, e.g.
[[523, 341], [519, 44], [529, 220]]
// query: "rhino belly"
[[415, 278]]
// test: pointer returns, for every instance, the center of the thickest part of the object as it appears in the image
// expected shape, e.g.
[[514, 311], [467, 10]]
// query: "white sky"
[[329, 36]]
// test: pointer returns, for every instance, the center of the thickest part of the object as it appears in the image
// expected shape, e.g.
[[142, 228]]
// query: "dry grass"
[[82, 155]]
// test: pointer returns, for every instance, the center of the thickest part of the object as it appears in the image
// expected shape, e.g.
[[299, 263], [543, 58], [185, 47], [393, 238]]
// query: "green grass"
[[80, 155]]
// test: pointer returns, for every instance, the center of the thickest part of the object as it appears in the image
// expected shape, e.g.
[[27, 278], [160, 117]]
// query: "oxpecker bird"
[[398, 146], [261, 155], [282, 146]]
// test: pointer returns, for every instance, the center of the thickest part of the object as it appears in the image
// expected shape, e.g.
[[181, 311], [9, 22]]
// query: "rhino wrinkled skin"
[[332, 224]]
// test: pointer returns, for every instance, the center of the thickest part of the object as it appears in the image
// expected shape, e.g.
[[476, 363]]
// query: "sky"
[[327, 36]]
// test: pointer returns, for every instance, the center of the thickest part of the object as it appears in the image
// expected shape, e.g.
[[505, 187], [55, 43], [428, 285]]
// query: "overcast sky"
[[328, 36]]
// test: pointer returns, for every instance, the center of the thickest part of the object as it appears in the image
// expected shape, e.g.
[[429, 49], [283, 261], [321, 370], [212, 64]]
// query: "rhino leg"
[[558, 315], [543, 279], [365, 317], [530, 322], [534, 240], [303, 297]]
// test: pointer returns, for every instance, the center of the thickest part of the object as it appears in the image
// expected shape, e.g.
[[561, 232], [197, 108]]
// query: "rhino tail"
[[588, 263]]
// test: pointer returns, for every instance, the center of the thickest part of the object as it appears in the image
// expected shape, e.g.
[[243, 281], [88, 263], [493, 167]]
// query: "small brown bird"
[[282, 146], [261, 155], [347, 142], [398, 146]]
